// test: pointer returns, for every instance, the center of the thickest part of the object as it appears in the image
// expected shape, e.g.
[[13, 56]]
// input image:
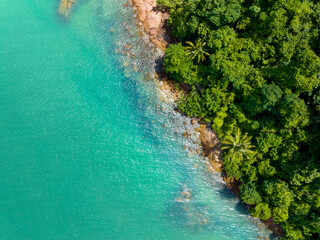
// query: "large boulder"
[[154, 19], [210, 143]]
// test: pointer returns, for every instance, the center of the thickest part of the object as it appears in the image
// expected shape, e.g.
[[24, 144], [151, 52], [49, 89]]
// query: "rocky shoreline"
[[153, 23]]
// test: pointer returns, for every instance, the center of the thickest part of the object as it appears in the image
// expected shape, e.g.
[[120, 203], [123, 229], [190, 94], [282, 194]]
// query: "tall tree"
[[238, 146], [197, 50]]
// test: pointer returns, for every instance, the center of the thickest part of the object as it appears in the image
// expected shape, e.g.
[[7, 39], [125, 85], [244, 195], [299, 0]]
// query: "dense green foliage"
[[255, 66]]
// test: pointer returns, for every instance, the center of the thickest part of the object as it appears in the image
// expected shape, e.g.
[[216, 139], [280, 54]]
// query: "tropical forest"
[[253, 70]]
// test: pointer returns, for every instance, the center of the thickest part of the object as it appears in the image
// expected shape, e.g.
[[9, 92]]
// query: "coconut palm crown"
[[197, 50], [237, 146]]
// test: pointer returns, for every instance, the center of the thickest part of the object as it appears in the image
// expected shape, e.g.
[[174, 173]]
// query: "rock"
[[135, 68], [209, 141], [185, 123], [164, 78], [188, 195], [193, 121], [153, 19], [216, 158], [179, 199], [153, 32], [164, 45], [126, 64], [198, 151], [142, 13], [64, 7], [216, 166], [147, 77], [125, 5]]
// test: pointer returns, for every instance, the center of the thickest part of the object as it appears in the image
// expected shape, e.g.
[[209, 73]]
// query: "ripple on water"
[[136, 56]]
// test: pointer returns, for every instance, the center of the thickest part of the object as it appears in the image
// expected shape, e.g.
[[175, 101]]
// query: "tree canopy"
[[253, 67]]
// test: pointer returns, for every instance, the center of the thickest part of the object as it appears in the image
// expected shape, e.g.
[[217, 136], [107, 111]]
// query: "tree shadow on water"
[[225, 193]]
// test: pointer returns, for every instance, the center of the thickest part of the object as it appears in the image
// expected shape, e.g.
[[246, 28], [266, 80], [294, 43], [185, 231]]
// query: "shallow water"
[[88, 151]]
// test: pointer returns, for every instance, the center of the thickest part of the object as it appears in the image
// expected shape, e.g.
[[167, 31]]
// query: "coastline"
[[153, 24]]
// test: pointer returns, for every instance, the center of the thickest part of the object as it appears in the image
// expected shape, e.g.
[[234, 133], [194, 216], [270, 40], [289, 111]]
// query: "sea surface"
[[89, 148]]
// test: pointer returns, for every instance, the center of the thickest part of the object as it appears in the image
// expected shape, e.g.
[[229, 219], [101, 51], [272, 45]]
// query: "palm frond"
[[237, 146]]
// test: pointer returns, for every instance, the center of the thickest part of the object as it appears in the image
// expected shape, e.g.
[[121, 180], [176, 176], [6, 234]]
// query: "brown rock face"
[[152, 21], [153, 32], [193, 121], [210, 144], [216, 166]]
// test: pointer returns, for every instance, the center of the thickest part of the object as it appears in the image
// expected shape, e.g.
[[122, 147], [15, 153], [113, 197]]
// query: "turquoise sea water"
[[86, 151]]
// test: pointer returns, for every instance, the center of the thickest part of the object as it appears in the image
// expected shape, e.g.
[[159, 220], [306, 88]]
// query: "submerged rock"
[[65, 7]]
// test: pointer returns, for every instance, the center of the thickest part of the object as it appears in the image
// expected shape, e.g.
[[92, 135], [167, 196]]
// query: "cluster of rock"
[[209, 140], [211, 146], [152, 20], [169, 85], [128, 52], [65, 7], [184, 196]]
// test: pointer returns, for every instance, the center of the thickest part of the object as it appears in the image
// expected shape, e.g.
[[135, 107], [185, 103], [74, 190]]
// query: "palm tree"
[[197, 50], [237, 146]]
